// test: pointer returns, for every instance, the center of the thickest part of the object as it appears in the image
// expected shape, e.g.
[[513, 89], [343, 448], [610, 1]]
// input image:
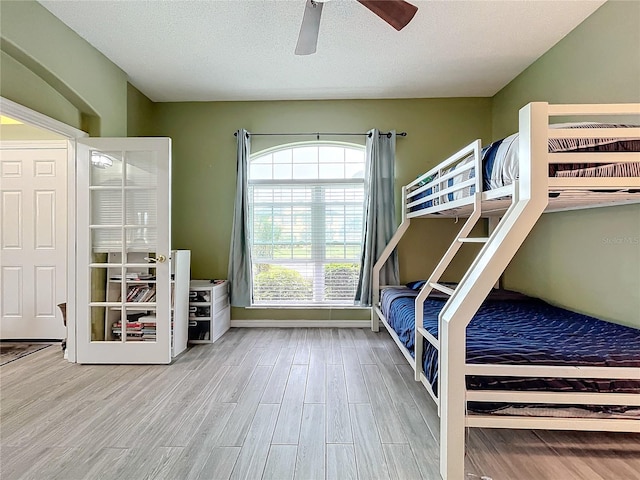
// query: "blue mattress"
[[523, 331]]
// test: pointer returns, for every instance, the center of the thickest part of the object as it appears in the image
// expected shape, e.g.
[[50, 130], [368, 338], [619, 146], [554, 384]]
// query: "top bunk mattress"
[[501, 166], [500, 163]]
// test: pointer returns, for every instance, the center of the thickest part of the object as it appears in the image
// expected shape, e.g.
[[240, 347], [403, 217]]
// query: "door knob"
[[157, 259]]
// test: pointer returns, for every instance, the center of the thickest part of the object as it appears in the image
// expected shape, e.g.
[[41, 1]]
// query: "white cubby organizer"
[[209, 310]]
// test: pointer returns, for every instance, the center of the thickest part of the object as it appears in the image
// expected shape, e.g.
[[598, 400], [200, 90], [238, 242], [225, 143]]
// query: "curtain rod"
[[317, 134]]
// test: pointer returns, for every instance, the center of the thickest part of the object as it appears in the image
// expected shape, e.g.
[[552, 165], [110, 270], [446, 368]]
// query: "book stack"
[[141, 293], [143, 329], [133, 331], [148, 328]]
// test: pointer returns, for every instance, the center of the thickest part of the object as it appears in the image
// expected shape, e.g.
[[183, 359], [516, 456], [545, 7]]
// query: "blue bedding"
[[523, 331]]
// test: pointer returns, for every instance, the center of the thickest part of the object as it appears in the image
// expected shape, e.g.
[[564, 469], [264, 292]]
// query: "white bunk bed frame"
[[513, 211]]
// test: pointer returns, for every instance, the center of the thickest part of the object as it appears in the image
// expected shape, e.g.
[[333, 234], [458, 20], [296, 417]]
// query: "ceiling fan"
[[396, 13]]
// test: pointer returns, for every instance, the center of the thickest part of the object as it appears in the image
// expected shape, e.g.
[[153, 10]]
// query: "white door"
[[123, 295], [33, 186]]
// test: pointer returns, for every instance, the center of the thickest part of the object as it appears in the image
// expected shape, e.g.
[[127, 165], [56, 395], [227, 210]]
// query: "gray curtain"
[[240, 252], [379, 213]]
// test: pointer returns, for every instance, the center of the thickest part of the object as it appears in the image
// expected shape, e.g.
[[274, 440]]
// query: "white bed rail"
[[436, 182], [553, 398], [384, 256], [608, 109]]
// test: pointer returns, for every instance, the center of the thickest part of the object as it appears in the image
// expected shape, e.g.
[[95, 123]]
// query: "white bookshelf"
[[140, 284]]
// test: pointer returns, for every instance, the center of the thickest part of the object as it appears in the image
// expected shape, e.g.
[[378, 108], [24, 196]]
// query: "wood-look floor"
[[265, 403]]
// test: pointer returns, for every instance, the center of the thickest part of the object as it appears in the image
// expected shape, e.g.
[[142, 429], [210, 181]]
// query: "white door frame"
[[37, 119]]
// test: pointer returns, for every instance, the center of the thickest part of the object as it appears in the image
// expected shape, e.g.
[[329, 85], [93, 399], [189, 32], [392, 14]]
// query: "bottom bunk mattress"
[[518, 330]]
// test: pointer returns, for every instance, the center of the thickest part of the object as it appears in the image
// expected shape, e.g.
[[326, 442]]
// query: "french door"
[[123, 273]]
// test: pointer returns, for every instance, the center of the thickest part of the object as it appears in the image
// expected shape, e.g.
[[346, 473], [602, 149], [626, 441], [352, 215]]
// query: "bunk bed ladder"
[[431, 284]]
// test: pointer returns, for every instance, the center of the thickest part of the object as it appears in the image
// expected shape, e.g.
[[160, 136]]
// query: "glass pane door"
[[123, 251]]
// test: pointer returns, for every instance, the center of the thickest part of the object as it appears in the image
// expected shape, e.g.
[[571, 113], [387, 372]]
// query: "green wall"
[[49, 68], [140, 113], [588, 260], [204, 170], [20, 84]]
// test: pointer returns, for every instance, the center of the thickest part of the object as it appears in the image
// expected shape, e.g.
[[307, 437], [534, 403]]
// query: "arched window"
[[306, 210]]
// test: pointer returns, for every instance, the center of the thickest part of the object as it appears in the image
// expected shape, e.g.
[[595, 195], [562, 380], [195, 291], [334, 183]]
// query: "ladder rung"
[[441, 288], [474, 240], [430, 338]]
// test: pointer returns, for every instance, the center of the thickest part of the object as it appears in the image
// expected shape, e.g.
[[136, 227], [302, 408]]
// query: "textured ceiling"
[[201, 50]]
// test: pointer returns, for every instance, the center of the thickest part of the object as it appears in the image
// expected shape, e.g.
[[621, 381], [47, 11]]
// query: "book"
[[129, 325], [133, 276]]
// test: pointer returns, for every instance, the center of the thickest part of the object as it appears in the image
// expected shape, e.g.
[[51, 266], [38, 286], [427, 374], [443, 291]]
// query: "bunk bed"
[[480, 351]]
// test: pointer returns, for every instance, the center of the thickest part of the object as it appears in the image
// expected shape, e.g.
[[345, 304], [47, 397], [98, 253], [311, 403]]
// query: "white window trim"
[[318, 258]]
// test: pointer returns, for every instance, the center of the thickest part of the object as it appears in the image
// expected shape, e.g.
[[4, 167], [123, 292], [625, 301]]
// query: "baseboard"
[[302, 323]]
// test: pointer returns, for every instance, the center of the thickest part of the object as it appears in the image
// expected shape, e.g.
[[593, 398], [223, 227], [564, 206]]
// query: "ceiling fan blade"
[[396, 13], [308, 38]]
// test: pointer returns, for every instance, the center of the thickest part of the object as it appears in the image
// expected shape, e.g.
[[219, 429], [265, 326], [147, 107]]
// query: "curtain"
[[379, 213], [240, 252]]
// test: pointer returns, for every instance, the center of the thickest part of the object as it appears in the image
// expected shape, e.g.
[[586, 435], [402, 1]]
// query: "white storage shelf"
[[209, 311], [180, 260]]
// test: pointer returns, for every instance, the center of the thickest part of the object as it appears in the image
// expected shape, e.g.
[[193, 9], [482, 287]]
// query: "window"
[[306, 207]]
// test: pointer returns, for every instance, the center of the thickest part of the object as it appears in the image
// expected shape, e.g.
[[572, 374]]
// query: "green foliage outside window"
[[340, 281], [274, 283]]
